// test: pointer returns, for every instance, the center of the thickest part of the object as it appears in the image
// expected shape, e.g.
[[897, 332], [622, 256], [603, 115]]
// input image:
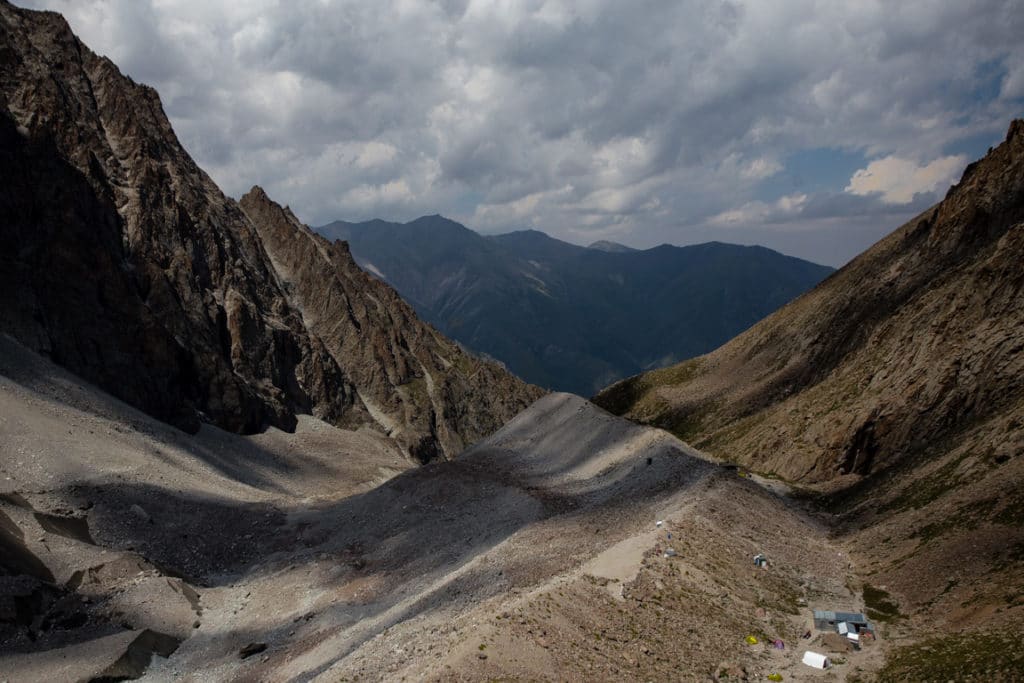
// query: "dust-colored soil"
[[324, 555]]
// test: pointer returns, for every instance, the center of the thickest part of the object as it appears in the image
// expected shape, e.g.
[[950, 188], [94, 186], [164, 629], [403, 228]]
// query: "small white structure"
[[844, 629], [853, 636], [670, 552], [815, 660], [659, 523]]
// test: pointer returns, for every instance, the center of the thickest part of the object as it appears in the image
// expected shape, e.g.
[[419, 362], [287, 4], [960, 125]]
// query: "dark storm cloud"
[[646, 122]]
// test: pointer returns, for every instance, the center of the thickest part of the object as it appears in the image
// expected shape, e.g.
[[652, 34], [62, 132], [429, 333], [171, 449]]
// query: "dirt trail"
[[560, 613], [622, 562]]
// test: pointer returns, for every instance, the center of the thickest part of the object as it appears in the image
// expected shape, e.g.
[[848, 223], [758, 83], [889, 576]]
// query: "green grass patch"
[[737, 430], [988, 656], [928, 489], [631, 395], [965, 519], [1006, 509], [684, 425], [880, 606]]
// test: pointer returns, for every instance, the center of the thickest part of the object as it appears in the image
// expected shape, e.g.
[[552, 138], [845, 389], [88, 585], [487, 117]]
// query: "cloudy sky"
[[810, 127]]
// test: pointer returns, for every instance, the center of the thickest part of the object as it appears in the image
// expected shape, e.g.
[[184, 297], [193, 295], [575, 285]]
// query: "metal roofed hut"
[[827, 620]]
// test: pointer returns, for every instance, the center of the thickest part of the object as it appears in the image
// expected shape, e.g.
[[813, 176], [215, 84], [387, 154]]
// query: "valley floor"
[[324, 555]]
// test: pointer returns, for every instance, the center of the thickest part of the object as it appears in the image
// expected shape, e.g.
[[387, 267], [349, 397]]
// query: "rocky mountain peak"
[[135, 271], [609, 246], [420, 387]]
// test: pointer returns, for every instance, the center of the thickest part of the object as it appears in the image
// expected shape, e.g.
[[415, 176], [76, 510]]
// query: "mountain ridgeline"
[[136, 296], [125, 263], [575, 318], [895, 389], [911, 347]]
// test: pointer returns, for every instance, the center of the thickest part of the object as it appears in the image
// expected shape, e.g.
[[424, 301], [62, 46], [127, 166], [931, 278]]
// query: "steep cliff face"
[[425, 390], [913, 344], [125, 263]]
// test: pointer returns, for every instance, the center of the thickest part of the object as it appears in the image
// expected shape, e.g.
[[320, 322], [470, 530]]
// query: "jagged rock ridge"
[[421, 386], [125, 263]]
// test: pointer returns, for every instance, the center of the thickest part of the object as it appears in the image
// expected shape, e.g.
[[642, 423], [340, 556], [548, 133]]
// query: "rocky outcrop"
[[125, 263], [428, 393]]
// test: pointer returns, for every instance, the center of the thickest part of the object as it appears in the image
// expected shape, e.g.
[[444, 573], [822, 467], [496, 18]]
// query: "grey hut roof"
[[828, 615]]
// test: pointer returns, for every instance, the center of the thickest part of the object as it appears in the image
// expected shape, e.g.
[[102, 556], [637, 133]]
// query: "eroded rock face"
[[125, 263], [431, 396]]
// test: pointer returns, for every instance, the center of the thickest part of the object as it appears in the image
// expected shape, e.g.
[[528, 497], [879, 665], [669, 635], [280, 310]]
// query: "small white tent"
[[816, 660]]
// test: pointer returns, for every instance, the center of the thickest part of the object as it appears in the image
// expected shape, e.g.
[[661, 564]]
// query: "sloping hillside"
[[895, 388], [914, 343], [129, 547], [128, 266], [572, 318], [113, 525]]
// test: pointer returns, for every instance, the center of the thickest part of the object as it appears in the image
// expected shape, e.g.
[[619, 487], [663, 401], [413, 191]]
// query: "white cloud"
[[761, 212], [592, 117], [759, 169], [897, 180], [1012, 87], [394, 192], [375, 154]]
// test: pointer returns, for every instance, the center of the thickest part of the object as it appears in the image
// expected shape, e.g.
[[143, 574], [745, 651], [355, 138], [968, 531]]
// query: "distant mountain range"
[[613, 247], [575, 318]]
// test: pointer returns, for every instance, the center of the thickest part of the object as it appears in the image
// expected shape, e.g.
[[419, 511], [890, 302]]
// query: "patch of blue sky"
[[988, 81], [987, 86], [975, 146], [809, 171]]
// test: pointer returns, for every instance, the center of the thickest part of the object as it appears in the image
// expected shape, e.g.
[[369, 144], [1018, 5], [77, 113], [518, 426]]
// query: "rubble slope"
[[534, 556]]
